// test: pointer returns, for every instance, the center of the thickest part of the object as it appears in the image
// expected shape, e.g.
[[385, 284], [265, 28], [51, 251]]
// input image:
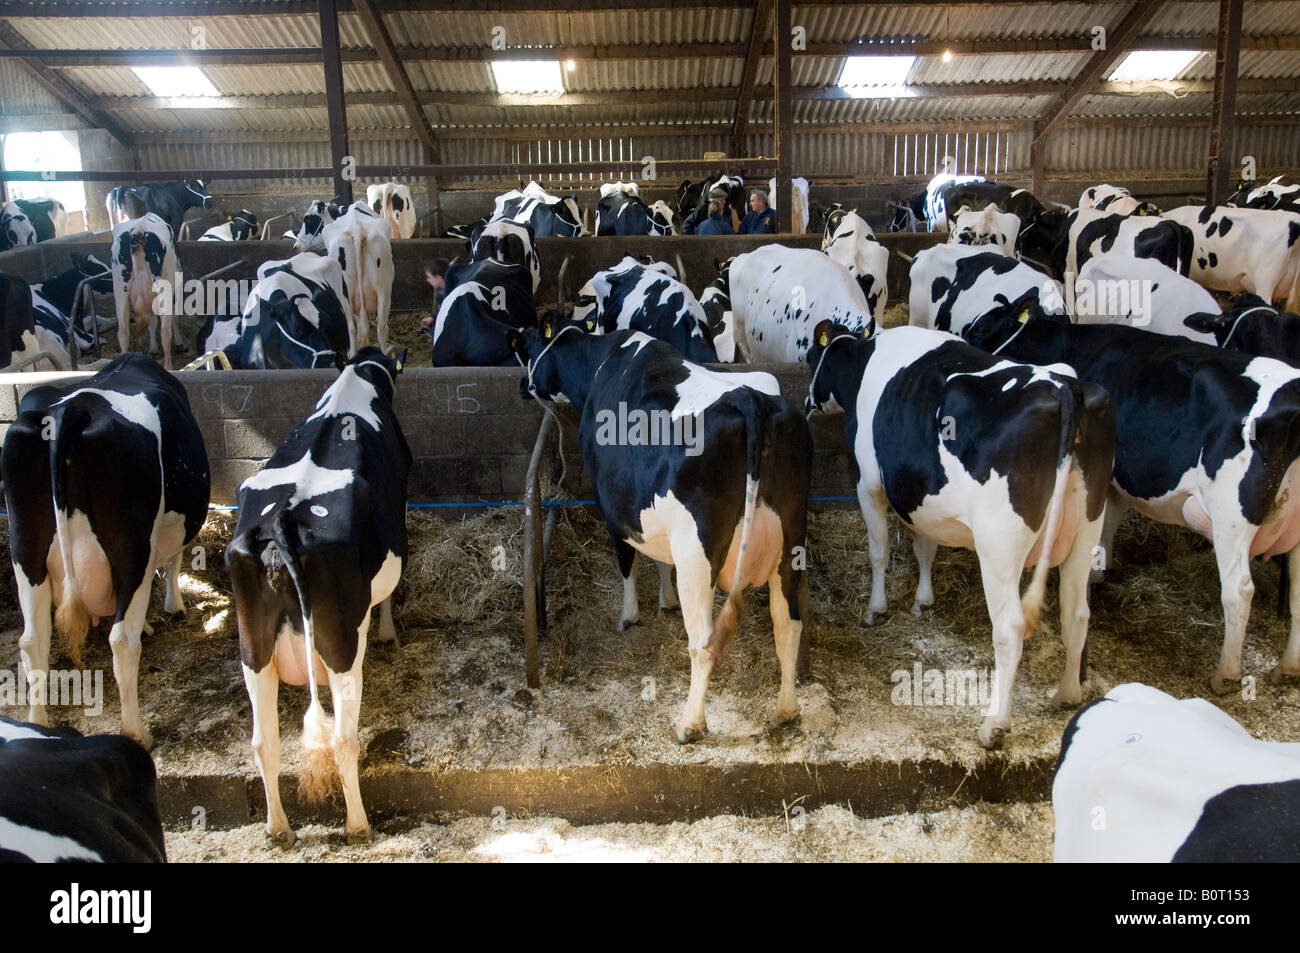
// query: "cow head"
[[378, 368], [541, 351], [243, 226], [995, 328], [836, 360], [88, 266], [199, 194], [907, 214], [16, 228], [1223, 326]]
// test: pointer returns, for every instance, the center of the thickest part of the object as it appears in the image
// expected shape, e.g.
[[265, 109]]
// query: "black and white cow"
[[621, 213], [631, 296], [144, 252], [297, 316], [237, 228], [391, 201], [1115, 200], [1281, 193], [708, 471], [311, 235], [168, 201], [54, 298], [69, 799], [86, 538], [1206, 438], [1145, 778], [989, 226], [733, 185], [777, 295], [1090, 232], [16, 229], [936, 197], [849, 240], [979, 195], [329, 511], [18, 337], [952, 285], [484, 300], [1007, 459], [1253, 326], [1142, 293], [507, 242], [48, 217], [550, 216], [359, 241], [1245, 249]]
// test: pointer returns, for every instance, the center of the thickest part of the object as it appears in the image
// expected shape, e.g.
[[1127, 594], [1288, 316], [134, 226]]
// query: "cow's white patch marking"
[[134, 407], [350, 394], [308, 479], [42, 847], [703, 387], [266, 509]]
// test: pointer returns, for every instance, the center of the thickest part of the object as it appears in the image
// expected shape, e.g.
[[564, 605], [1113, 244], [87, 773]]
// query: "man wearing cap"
[[719, 219], [759, 220]]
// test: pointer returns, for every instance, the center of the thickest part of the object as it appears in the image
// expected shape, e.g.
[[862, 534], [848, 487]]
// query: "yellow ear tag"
[[823, 339], [399, 367], [546, 330], [1024, 316], [591, 325]]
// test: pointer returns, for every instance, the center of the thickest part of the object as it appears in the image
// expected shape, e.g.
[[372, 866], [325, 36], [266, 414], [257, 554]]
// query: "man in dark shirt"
[[759, 220], [716, 223], [433, 275]]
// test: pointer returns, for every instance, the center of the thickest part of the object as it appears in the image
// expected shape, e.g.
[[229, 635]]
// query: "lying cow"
[[1145, 778], [484, 300], [550, 216], [237, 228], [169, 201], [54, 299], [86, 538], [1006, 459], [1142, 293], [69, 799], [1281, 193], [48, 217], [392, 202], [143, 253], [329, 511], [1116, 201], [21, 337], [507, 242], [719, 489], [619, 213], [1206, 438], [1245, 249], [632, 296], [952, 285], [991, 226], [16, 229], [359, 241], [849, 240]]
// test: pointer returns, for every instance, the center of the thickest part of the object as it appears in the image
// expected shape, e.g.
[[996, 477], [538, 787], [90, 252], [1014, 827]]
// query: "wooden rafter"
[[758, 42], [380, 39]]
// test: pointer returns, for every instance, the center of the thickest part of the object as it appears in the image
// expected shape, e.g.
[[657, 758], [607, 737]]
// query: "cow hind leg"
[[345, 692], [1075, 612], [1289, 664], [125, 642], [874, 512], [174, 601], [1114, 512], [1001, 577], [263, 694], [34, 644], [166, 321], [925, 551], [627, 569], [667, 594], [695, 590], [783, 588], [387, 631], [1232, 553]]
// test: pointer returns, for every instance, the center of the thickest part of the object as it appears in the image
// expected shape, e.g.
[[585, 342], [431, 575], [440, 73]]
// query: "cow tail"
[[1031, 604], [316, 768], [71, 618], [140, 271], [733, 608], [1186, 249]]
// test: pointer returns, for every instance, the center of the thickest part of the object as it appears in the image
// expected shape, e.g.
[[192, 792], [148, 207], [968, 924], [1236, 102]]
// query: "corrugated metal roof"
[[23, 96]]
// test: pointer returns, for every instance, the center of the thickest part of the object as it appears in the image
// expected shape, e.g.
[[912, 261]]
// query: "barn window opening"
[[46, 152], [960, 153], [1142, 65], [528, 76], [618, 152], [176, 80], [875, 77]]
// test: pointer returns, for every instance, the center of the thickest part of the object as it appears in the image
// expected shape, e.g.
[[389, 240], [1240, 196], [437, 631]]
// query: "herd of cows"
[[1024, 409]]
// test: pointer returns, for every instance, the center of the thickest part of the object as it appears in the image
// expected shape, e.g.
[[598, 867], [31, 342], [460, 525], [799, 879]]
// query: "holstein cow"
[[979, 195], [392, 202], [798, 203], [1253, 326], [1245, 249], [86, 538], [1142, 293], [1115, 200], [1090, 232], [952, 285], [69, 799], [48, 217], [550, 215], [507, 242], [1206, 438], [733, 185], [1175, 781], [16, 228], [329, 511], [632, 296], [1006, 459], [990, 226], [168, 201], [777, 295], [717, 487], [237, 228], [849, 240], [359, 241], [20, 336], [1281, 192], [310, 235], [936, 201], [53, 299], [620, 213], [143, 253], [484, 300], [297, 315]]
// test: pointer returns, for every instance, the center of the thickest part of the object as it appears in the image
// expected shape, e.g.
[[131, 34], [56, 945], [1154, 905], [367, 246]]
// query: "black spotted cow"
[[18, 328], [69, 799], [1245, 249], [359, 241], [1281, 193], [48, 217], [1090, 232], [144, 253], [1140, 292], [623, 213], [329, 512], [1116, 201], [550, 216], [297, 316], [507, 242], [484, 300], [988, 226], [169, 201], [86, 538], [54, 298], [391, 201], [952, 285], [1010, 460], [708, 471], [631, 295], [936, 197], [237, 228], [310, 235], [1206, 439], [979, 195], [849, 240], [1146, 778], [1253, 326], [16, 229]]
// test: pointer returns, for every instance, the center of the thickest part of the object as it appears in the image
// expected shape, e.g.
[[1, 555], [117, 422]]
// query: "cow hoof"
[[148, 629], [916, 609], [624, 623], [359, 837], [1278, 676], [785, 721], [990, 739], [686, 734], [1063, 699], [282, 839], [1222, 686]]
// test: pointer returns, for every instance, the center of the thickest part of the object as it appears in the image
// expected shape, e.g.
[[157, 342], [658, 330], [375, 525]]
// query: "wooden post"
[[334, 104], [1036, 163], [534, 553], [1223, 107], [784, 102]]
